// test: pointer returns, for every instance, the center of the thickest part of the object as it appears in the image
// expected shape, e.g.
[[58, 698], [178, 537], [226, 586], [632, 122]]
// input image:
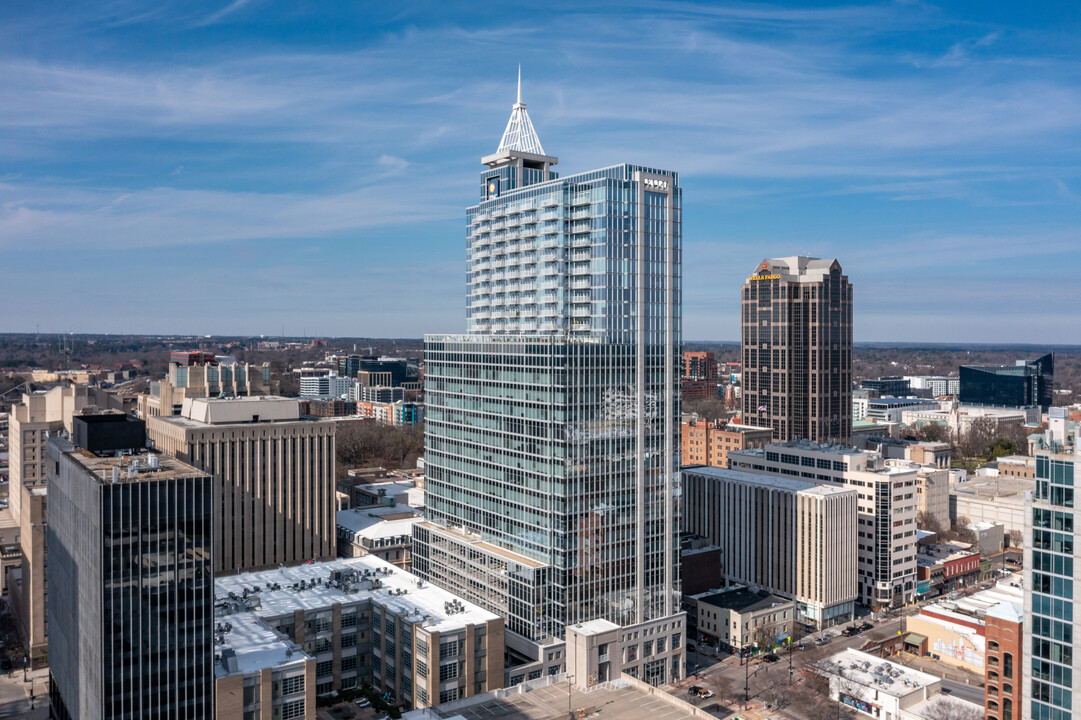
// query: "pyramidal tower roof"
[[520, 135]]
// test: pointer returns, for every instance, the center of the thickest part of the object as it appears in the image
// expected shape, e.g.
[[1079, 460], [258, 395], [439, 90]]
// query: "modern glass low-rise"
[[552, 427]]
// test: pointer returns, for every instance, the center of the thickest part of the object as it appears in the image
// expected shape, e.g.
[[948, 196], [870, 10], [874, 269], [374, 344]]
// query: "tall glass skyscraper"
[[1052, 609], [552, 427]]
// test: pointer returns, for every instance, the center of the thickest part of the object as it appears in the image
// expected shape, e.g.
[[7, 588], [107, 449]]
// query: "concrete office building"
[[1052, 673], [365, 621], [30, 423], [792, 537], [202, 375], [275, 472], [998, 500], [887, 505], [934, 386], [891, 409], [797, 349], [380, 394], [325, 386], [552, 427], [131, 578]]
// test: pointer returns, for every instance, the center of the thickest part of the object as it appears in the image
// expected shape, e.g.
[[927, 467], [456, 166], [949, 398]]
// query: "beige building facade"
[[31, 422], [274, 471], [202, 380], [740, 618], [793, 537], [886, 506]]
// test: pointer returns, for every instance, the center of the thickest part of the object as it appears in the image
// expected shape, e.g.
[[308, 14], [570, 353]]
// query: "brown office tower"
[[274, 475], [797, 349]]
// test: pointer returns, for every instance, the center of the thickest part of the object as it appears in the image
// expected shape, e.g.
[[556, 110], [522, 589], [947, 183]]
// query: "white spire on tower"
[[520, 134]]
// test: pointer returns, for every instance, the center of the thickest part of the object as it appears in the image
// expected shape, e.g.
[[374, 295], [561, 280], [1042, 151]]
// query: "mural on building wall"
[[960, 648]]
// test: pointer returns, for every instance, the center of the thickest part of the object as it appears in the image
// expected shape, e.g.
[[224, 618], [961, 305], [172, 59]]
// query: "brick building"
[[1004, 624], [705, 442]]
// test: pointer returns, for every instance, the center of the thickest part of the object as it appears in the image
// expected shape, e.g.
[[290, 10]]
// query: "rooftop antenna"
[[519, 84]]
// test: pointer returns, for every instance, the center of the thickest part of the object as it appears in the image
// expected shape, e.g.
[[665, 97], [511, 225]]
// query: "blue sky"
[[236, 167]]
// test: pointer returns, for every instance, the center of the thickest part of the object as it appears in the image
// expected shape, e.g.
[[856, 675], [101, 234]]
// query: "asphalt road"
[[972, 693]]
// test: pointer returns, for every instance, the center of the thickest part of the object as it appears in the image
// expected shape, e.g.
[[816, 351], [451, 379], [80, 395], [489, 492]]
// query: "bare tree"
[[933, 432], [975, 442], [946, 708], [723, 687], [1017, 538], [962, 532], [927, 521]]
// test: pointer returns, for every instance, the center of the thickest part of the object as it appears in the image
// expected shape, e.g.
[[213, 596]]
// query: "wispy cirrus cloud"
[[862, 131]]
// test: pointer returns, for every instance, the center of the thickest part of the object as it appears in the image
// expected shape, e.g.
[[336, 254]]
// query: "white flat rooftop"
[[595, 627], [256, 645], [781, 482], [882, 675], [399, 591], [200, 412], [378, 522]]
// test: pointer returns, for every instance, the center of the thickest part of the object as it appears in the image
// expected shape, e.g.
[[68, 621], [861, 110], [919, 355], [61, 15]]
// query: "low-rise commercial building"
[[946, 567], [741, 619], [955, 631], [990, 537], [366, 622], [1018, 466], [879, 688]]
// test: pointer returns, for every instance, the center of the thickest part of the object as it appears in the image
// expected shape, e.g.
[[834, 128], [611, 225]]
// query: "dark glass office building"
[[887, 387], [1026, 384], [131, 587]]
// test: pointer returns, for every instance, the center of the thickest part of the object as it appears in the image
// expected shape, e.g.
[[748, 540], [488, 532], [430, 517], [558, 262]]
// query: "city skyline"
[[242, 155]]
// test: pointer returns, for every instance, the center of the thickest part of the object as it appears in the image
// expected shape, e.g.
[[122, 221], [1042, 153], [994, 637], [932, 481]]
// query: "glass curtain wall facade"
[[552, 428], [132, 615], [1052, 562]]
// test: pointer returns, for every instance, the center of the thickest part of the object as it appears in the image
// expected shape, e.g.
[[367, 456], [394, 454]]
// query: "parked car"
[[699, 692], [850, 631], [866, 626], [770, 658]]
